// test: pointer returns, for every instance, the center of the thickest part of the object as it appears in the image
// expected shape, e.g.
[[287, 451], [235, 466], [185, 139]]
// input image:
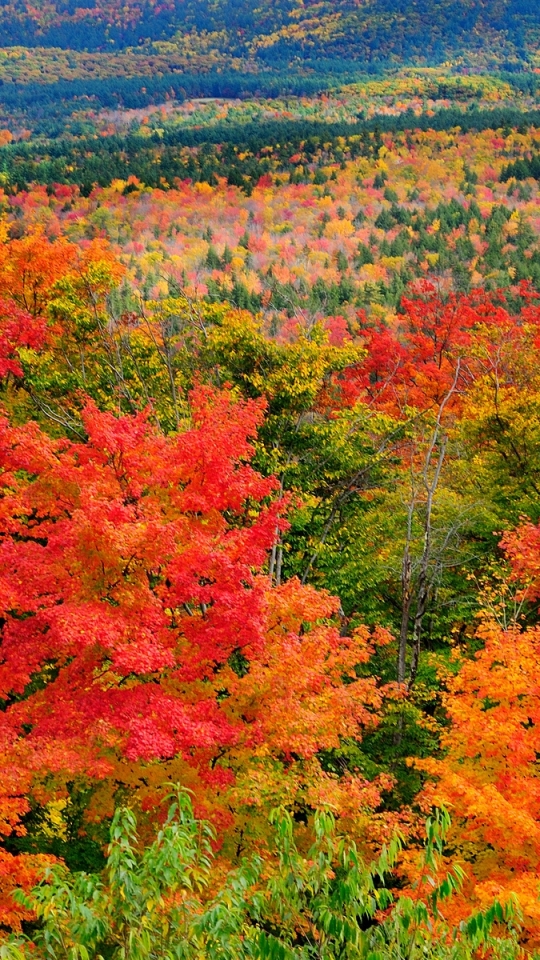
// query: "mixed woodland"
[[270, 482]]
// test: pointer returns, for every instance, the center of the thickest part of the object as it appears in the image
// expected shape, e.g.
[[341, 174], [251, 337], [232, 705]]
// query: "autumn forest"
[[270, 480]]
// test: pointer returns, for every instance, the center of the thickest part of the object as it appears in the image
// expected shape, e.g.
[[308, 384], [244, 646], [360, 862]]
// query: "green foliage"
[[155, 902], [69, 836]]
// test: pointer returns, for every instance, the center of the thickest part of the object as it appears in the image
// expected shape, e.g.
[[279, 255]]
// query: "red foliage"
[[17, 329], [118, 562], [132, 580], [428, 352]]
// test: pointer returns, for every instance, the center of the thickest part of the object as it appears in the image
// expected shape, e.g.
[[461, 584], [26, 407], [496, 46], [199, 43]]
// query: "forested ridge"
[[120, 46], [380, 29]]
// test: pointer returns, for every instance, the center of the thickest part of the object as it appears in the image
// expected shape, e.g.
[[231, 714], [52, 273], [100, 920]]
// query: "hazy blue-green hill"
[[271, 31]]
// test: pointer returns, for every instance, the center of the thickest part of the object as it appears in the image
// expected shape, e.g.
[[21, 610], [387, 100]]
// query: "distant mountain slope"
[[283, 30]]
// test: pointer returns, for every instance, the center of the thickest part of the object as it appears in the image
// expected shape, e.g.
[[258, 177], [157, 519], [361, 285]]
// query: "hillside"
[[370, 32]]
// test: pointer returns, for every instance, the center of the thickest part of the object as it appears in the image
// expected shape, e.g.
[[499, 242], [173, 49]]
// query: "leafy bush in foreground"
[[154, 903]]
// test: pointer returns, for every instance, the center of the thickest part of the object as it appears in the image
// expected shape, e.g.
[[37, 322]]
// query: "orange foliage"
[[30, 267], [489, 778]]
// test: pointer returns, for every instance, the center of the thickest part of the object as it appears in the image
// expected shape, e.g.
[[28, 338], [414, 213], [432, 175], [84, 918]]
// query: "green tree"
[[155, 903]]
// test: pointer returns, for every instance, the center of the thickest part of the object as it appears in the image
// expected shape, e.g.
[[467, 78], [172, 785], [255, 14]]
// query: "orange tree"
[[489, 774]]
